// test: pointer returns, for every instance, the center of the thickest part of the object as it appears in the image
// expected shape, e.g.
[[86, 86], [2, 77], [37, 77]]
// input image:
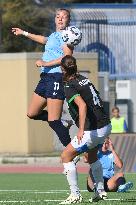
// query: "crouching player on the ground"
[[86, 109], [109, 159]]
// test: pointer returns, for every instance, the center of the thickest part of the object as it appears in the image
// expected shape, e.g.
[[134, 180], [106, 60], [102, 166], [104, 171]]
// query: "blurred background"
[[106, 55]]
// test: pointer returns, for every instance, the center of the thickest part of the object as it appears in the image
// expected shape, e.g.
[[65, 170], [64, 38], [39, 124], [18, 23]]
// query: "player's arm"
[[67, 51], [117, 161], [34, 37], [82, 116]]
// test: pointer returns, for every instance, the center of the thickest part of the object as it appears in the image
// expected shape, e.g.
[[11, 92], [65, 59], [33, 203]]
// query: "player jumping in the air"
[[86, 109], [50, 91]]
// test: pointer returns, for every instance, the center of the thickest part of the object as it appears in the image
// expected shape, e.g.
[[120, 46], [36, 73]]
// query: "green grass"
[[28, 189]]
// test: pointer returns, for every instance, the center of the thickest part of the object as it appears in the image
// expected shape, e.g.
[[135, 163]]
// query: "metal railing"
[[111, 32]]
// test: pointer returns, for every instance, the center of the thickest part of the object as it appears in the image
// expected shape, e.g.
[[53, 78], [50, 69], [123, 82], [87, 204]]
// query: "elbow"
[[120, 165]]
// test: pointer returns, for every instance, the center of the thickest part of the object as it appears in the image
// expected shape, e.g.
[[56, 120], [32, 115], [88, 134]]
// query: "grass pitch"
[[40, 189]]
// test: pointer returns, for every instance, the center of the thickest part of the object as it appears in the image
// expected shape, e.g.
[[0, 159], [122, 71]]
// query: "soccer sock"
[[42, 116], [71, 174], [97, 173], [61, 131], [121, 181]]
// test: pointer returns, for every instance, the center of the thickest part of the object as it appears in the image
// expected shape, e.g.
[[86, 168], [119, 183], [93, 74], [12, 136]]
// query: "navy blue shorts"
[[51, 86]]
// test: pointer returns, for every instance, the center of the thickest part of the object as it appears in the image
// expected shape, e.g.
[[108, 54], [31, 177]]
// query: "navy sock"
[[120, 181], [42, 116], [61, 131]]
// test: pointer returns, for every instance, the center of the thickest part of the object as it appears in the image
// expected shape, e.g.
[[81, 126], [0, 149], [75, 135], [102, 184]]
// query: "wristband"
[[25, 33]]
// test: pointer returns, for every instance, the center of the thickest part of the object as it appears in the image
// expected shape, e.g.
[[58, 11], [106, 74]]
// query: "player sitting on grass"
[[86, 109], [108, 158]]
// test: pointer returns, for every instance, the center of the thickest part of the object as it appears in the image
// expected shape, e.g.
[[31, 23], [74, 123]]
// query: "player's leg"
[[55, 97], [116, 180], [67, 156], [44, 94], [90, 183], [90, 180], [97, 137], [72, 150], [118, 183], [36, 112], [54, 107], [36, 106], [96, 172], [38, 102]]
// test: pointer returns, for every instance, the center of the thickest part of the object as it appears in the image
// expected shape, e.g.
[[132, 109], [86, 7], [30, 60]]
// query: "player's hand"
[[17, 31], [111, 145], [40, 63], [80, 135]]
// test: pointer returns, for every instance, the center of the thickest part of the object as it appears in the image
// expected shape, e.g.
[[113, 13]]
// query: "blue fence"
[[109, 30]]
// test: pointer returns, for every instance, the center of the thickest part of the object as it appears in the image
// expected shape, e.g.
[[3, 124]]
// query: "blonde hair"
[[63, 9]]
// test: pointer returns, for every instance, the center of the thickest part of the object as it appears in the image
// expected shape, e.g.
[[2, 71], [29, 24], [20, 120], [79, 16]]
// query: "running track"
[[37, 169]]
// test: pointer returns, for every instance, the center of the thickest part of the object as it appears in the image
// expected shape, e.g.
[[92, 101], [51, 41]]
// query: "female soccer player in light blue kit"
[[49, 91]]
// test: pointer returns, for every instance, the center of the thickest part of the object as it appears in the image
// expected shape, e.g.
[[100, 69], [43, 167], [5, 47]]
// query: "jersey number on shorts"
[[56, 87], [95, 97]]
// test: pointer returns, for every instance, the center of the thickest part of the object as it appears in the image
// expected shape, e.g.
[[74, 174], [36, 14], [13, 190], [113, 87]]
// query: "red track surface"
[[36, 169]]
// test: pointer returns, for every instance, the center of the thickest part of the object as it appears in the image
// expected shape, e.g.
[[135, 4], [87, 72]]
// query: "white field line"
[[53, 200], [38, 191], [28, 201], [45, 192], [48, 200], [119, 199]]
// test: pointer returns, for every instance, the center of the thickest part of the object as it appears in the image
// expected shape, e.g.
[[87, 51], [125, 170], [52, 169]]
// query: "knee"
[[63, 157], [120, 174], [30, 115], [66, 157]]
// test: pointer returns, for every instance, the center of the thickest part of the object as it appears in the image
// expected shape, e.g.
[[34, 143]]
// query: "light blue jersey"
[[107, 161], [53, 50]]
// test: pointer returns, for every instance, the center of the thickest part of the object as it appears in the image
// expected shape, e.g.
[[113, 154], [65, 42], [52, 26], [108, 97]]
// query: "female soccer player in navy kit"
[[86, 109], [50, 91]]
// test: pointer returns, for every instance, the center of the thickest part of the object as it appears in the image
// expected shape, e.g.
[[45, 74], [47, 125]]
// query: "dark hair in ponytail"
[[69, 65]]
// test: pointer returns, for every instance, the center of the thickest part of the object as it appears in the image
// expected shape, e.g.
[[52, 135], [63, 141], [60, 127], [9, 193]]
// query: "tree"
[[28, 16], [34, 16], [98, 1]]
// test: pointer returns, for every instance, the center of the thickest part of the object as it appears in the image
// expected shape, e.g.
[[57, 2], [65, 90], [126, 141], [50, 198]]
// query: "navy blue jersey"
[[81, 86]]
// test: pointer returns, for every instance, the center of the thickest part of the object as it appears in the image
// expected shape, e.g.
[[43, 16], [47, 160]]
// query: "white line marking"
[[37, 191], [46, 192], [28, 201], [113, 199], [54, 200], [126, 200]]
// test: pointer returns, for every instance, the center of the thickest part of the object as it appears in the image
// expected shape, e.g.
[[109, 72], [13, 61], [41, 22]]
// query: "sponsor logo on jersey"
[[84, 82]]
